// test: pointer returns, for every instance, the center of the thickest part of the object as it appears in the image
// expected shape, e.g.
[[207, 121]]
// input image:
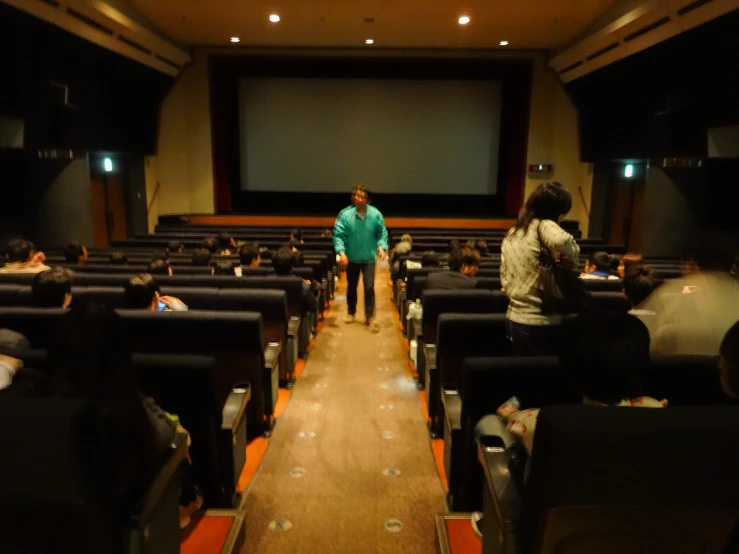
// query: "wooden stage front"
[[328, 222]]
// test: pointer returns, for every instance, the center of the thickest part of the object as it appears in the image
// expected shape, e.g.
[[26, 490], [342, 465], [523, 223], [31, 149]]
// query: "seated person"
[[226, 244], [142, 293], [482, 247], [211, 244], [201, 257], [296, 237], [283, 261], [10, 343], [75, 253], [53, 288], [403, 248], [598, 266], [604, 357], [224, 267], [21, 257], [250, 256], [728, 363], [429, 259], [118, 258], [629, 262], [160, 255], [160, 267], [175, 247], [265, 253], [327, 234], [463, 266], [454, 245]]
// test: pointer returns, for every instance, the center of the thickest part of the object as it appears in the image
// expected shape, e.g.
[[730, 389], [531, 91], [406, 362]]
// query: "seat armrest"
[[492, 453], [429, 351], [233, 409], [452, 409], [293, 326], [272, 354], [168, 471]]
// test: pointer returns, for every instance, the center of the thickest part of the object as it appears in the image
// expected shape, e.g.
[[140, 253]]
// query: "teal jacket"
[[360, 238]]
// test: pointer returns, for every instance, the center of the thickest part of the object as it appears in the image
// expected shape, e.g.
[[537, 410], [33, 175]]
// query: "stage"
[[328, 222]]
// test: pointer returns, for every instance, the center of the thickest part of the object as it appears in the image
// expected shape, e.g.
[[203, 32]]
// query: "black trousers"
[[368, 277]]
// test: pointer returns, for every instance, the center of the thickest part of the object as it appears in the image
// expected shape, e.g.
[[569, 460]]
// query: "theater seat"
[[55, 487], [612, 480]]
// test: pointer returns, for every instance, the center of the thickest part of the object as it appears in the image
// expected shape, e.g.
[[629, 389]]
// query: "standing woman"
[[531, 331]]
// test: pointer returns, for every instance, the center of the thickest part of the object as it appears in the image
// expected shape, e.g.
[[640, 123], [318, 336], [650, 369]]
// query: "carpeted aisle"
[[353, 414]]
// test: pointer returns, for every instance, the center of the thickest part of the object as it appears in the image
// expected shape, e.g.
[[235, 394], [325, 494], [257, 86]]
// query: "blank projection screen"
[[398, 136]]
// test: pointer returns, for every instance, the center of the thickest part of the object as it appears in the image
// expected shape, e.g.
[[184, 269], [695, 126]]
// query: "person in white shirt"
[[21, 256], [532, 332], [598, 267]]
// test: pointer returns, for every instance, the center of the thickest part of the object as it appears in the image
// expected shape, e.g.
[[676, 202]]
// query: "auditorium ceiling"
[[525, 24]]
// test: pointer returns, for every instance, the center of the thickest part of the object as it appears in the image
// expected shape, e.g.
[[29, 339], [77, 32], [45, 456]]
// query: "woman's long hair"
[[548, 201]]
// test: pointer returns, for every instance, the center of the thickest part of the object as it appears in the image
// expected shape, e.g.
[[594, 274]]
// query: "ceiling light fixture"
[[464, 20], [369, 41], [274, 18], [504, 43], [235, 39]]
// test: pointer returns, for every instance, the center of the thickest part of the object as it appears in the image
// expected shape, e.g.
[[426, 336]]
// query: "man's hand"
[[38, 258], [14, 363], [381, 254], [343, 260]]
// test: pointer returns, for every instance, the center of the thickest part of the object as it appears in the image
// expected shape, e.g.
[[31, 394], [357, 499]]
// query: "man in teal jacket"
[[360, 236]]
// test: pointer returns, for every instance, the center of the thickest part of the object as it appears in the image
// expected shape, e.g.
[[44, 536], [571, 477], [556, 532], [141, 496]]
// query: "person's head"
[[201, 256], [296, 235], [211, 244], [224, 267], [52, 288], [75, 253], [453, 245], [471, 244], [708, 250], [406, 238], [605, 355], [175, 246], [226, 241], [250, 255], [360, 196], [19, 250], [160, 255], [118, 258], [283, 261], [265, 253], [628, 263], [639, 284], [327, 234], [482, 247], [598, 261], [160, 267], [728, 363], [429, 259], [464, 260], [142, 292], [549, 201]]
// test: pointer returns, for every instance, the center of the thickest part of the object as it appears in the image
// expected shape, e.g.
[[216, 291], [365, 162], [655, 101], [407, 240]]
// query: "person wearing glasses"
[[360, 237]]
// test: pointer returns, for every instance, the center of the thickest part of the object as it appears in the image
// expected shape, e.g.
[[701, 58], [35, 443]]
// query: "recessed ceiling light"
[[274, 18], [235, 39], [504, 43], [464, 20], [369, 41]]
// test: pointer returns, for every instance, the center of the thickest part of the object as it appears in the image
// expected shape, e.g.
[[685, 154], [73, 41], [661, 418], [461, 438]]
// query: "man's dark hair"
[[160, 255], [159, 267], [283, 261], [73, 251], [710, 249], [249, 253], [49, 288], [175, 246], [605, 355], [296, 234], [639, 284], [224, 240], [140, 290], [211, 244], [224, 267], [361, 188], [548, 201], [453, 245], [201, 256], [429, 259], [118, 258], [463, 256], [601, 261], [19, 250], [265, 253], [482, 247]]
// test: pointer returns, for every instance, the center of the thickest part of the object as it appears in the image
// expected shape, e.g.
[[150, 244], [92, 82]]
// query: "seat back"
[[604, 479], [603, 285], [437, 302], [196, 298], [110, 296], [412, 273], [609, 302], [36, 324], [685, 381], [460, 336]]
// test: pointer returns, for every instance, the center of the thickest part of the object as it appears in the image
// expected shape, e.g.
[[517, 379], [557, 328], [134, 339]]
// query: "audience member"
[[327, 234], [224, 267], [296, 237], [142, 293], [118, 258], [211, 244], [463, 266], [532, 328], [404, 246], [482, 247], [629, 262], [21, 257], [53, 288], [75, 253], [728, 363], [429, 259], [12, 345], [453, 245], [250, 255], [639, 284], [175, 247], [201, 257], [160, 255], [226, 244], [598, 266], [160, 267], [283, 261], [265, 253]]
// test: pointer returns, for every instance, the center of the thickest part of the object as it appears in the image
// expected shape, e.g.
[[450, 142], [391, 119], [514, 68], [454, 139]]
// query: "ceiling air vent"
[[602, 51], [52, 3], [571, 67], [644, 30], [693, 6], [89, 21], [168, 62], [134, 44]]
